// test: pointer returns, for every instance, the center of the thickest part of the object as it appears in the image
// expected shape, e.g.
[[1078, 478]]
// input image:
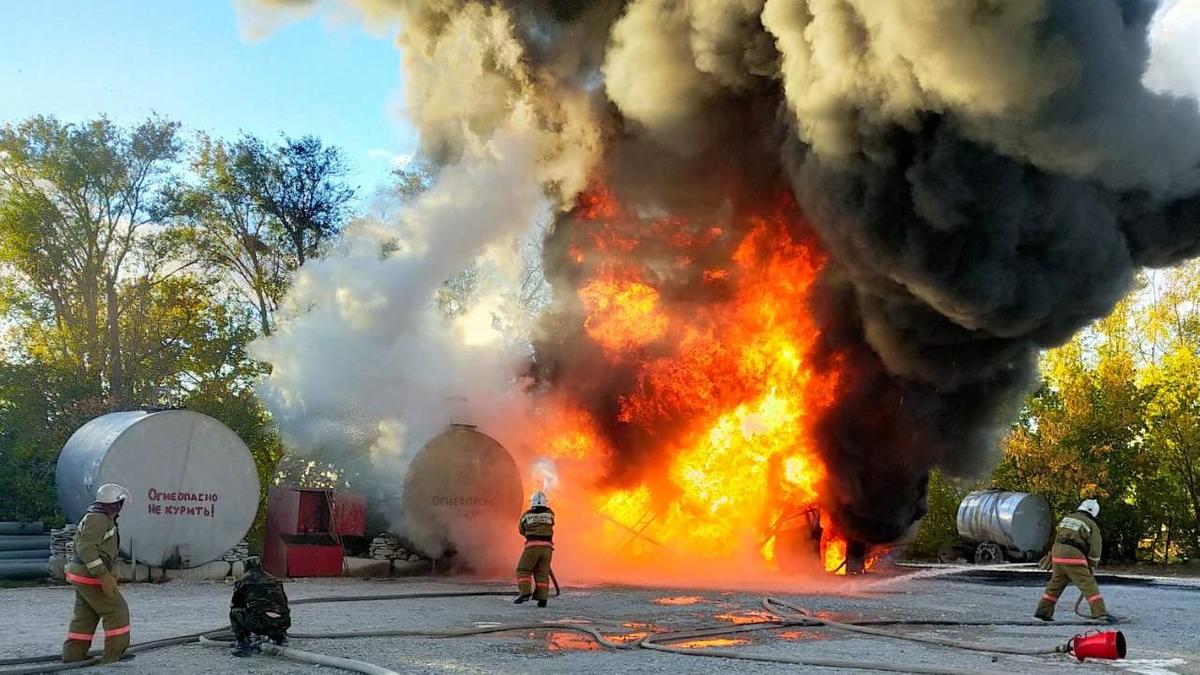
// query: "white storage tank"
[[193, 485], [1018, 523]]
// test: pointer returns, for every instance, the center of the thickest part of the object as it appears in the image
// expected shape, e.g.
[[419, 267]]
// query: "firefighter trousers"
[[1063, 575], [91, 606], [533, 570]]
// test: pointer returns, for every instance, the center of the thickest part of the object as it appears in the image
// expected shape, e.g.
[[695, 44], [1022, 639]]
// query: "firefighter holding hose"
[[533, 569], [1076, 551], [90, 572]]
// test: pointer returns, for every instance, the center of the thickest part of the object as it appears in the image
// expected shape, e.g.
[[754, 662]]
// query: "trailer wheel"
[[988, 554]]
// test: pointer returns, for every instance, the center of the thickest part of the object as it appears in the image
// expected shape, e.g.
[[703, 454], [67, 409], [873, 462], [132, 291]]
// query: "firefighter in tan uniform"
[[91, 573], [1076, 550], [533, 569]]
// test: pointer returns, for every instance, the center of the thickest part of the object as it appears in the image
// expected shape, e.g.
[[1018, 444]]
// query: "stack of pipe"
[[24, 550]]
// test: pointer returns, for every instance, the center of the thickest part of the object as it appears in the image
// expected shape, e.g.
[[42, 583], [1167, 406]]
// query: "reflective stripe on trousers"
[[82, 580]]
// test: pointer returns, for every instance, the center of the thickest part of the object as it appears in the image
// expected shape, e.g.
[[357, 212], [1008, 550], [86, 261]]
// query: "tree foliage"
[[73, 200], [257, 212]]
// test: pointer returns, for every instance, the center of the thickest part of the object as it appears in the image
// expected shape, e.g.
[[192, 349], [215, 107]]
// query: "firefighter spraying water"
[[533, 569]]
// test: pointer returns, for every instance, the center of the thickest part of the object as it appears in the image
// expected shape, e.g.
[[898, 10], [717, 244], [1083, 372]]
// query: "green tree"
[[1171, 377], [220, 219], [256, 213], [302, 189], [74, 200], [937, 534]]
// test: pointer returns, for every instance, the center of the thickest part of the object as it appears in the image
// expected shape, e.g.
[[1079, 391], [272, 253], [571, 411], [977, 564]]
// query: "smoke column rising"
[[364, 360], [986, 177]]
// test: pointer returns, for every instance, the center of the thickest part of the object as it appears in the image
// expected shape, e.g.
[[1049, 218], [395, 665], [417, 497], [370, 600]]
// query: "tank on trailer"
[[1014, 525], [463, 493], [193, 485]]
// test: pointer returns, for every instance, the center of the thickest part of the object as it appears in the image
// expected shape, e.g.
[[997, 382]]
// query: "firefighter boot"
[[246, 648], [522, 599], [541, 603]]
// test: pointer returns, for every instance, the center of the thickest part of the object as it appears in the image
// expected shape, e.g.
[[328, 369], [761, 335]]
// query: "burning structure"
[[801, 253]]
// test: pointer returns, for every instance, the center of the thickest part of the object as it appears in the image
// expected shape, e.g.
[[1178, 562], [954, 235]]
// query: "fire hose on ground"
[[786, 616]]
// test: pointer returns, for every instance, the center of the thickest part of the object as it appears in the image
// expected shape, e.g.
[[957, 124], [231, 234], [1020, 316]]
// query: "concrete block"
[[366, 567], [213, 571]]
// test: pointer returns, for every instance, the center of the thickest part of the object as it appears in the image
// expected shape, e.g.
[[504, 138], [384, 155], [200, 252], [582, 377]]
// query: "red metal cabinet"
[[350, 514], [303, 530]]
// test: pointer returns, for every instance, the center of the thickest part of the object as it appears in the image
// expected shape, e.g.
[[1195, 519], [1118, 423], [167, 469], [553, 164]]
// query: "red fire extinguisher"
[[1098, 645]]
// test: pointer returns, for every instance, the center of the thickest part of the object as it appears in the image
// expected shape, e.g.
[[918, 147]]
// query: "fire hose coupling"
[[1109, 644]]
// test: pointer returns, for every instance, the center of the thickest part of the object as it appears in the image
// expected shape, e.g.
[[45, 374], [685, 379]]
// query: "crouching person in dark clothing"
[[259, 607]]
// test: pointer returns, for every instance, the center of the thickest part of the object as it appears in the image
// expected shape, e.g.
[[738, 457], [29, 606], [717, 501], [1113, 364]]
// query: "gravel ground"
[[1163, 633]]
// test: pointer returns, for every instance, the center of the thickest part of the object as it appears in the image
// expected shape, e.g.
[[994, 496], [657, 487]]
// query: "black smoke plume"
[[985, 175]]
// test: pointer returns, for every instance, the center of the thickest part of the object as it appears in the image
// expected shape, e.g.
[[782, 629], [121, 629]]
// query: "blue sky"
[[188, 61]]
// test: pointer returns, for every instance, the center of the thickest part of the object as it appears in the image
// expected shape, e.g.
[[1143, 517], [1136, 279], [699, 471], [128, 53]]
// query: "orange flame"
[[730, 379], [835, 555], [622, 315]]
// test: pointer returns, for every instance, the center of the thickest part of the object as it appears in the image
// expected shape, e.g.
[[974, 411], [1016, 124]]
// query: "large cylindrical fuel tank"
[[193, 485], [1019, 522], [462, 494]]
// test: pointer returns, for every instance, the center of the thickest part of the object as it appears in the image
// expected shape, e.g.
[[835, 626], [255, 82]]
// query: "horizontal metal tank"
[[462, 493], [1018, 522], [193, 485]]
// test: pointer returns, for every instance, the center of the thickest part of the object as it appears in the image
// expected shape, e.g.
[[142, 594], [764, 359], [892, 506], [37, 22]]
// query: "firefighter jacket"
[[537, 524], [1077, 541], [96, 545], [260, 592]]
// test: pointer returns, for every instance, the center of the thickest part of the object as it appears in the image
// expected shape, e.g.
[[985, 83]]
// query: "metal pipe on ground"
[[25, 542], [31, 554], [21, 570], [8, 527]]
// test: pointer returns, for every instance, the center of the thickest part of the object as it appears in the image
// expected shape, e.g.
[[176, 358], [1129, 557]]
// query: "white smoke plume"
[[363, 359]]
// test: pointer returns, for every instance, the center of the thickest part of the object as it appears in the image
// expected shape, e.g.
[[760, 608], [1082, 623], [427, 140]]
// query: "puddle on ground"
[[710, 642], [746, 616], [679, 600], [627, 638], [570, 641], [803, 635]]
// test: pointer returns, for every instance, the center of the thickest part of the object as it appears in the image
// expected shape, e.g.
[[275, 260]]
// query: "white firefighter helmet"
[[537, 499], [111, 493], [1090, 506]]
